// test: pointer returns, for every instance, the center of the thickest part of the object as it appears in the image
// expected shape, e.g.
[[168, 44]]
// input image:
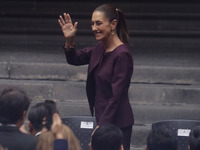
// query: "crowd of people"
[[110, 69], [47, 131]]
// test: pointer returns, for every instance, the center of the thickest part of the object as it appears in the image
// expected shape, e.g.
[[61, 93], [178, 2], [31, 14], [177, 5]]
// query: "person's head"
[[14, 104], [37, 117], [40, 116], [194, 139], [107, 137], [107, 21], [161, 138]]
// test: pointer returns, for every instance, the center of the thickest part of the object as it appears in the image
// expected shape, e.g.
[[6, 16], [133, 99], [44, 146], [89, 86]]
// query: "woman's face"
[[100, 26]]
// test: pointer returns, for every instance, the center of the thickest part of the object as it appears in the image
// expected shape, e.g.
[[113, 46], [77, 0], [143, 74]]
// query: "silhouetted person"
[[14, 104], [194, 139], [107, 137], [161, 138]]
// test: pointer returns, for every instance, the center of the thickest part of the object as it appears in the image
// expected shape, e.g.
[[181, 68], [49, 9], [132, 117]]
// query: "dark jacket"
[[13, 139], [117, 109]]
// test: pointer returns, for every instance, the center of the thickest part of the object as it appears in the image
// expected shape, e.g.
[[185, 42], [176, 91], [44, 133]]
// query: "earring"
[[113, 32]]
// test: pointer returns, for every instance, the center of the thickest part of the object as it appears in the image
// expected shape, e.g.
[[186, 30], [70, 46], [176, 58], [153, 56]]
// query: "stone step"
[[135, 23], [146, 16], [143, 44], [41, 18], [139, 136], [141, 94], [65, 72], [158, 60], [136, 148], [130, 6], [143, 113]]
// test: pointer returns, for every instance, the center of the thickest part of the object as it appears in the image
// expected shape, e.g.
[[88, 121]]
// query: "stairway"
[[164, 41]]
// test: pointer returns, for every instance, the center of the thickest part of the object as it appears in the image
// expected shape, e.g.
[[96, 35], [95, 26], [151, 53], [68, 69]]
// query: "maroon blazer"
[[117, 109]]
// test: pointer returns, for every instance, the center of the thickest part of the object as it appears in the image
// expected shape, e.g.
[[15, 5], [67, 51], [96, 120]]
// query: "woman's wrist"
[[70, 40], [69, 44]]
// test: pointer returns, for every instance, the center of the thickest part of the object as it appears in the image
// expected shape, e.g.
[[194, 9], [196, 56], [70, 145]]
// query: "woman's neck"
[[112, 43]]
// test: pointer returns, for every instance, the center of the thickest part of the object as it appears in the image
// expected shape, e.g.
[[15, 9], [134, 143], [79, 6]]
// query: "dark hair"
[[40, 111], [36, 115], [194, 138], [111, 12], [107, 137], [13, 103], [161, 138]]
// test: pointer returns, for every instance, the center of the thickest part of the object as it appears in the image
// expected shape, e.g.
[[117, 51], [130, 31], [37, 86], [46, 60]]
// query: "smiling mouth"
[[97, 33]]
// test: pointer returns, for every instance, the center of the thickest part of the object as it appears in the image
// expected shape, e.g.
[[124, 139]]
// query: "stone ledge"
[[65, 72], [139, 93], [4, 70]]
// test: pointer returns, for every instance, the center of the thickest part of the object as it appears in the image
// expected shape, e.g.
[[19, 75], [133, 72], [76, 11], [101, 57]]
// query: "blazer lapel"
[[96, 57]]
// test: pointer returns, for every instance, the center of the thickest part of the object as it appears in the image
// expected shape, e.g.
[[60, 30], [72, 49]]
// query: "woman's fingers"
[[62, 20], [66, 17], [69, 18], [75, 25], [69, 29], [61, 25]]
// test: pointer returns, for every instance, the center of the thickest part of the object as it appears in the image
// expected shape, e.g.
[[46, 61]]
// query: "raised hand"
[[69, 30], [57, 127]]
